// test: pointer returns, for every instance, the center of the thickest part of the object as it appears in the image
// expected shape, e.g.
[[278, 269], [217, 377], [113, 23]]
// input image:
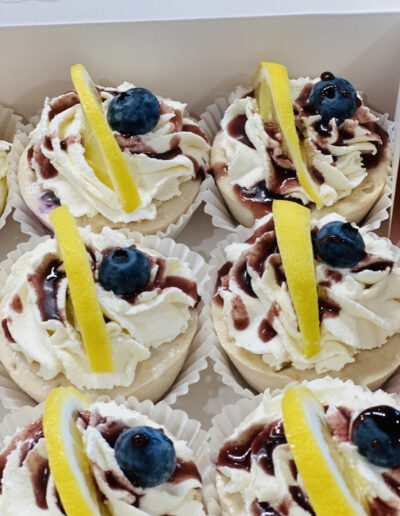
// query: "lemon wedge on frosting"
[[68, 462], [82, 291], [101, 148], [272, 89], [292, 227], [328, 480]]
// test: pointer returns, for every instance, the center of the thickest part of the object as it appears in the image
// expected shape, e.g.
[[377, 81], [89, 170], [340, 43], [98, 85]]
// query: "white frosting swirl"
[[368, 302], [177, 499], [135, 328], [338, 163], [157, 179], [239, 488]]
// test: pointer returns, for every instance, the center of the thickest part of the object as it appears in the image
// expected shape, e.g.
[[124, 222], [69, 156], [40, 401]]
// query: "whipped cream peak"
[[173, 152], [27, 485], [359, 307], [259, 167], [35, 309], [268, 478]]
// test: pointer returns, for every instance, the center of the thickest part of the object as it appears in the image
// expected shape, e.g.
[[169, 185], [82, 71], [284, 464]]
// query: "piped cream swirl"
[[240, 489], [159, 161], [41, 325], [21, 493], [336, 162], [360, 307]]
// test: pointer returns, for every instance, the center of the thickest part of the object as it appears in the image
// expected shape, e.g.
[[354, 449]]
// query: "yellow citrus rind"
[[69, 465], [327, 478], [292, 226], [82, 291], [101, 148], [272, 90]]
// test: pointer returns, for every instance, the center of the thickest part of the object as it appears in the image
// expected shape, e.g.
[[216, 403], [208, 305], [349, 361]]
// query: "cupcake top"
[[339, 144], [160, 157], [145, 305], [358, 290], [257, 470], [28, 486]]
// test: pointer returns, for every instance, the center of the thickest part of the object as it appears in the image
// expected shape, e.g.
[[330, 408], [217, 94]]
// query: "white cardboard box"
[[195, 61]]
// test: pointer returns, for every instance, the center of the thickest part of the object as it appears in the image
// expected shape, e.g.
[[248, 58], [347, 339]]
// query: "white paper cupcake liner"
[[175, 421], [215, 205], [222, 364], [10, 125], [31, 225], [12, 396]]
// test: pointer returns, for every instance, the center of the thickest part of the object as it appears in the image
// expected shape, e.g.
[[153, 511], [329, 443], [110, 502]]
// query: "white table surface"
[[205, 398]]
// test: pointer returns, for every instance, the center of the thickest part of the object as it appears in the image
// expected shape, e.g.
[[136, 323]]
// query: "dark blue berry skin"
[[376, 433], [124, 271], [340, 244], [134, 112], [333, 97], [146, 456]]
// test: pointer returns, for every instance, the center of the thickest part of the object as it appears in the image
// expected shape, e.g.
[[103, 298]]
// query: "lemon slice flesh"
[[327, 480], [101, 148], [82, 291], [292, 226], [68, 462], [272, 89]]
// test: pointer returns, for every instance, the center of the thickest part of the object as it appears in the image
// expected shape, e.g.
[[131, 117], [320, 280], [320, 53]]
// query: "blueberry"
[[145, 455], [376, 433], [333, 97], [340, 244], [134, 112], [124, 271]]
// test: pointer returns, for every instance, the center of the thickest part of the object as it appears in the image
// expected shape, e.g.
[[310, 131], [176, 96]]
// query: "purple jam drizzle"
[[237, 454], [263, 509], [264, 444], [301, 499], [236, 129], [239, 314], [6, 330], [39, 471], [46, 281], [222, 281], [48, 202], [184, 470]]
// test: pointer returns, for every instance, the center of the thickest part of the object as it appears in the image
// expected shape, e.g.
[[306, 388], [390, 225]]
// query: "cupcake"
[[104, 313], [162, 149], [99, 458], [338, 163], [341, 318], [341, 456]]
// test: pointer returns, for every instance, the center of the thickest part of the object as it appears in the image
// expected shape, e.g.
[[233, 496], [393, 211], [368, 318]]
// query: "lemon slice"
[[273, 98], [292, 226], [327, 478], [101, 147], [68, 462], [82, 291]]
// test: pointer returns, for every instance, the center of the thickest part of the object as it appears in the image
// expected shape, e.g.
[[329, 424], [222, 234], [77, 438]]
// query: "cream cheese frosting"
[[359, 307], [255, 152], [27, 485], [39, 323], [268, 477], [173, 152]]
